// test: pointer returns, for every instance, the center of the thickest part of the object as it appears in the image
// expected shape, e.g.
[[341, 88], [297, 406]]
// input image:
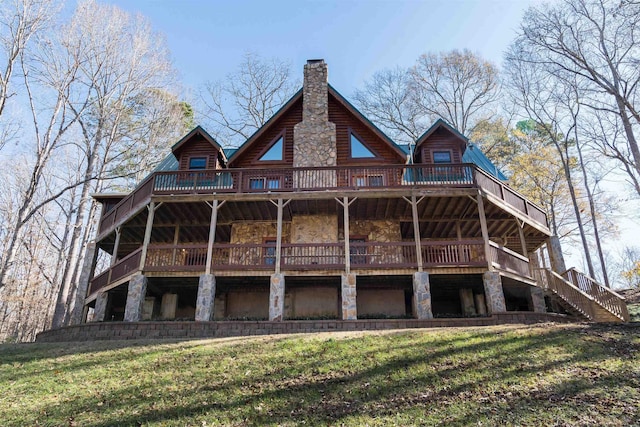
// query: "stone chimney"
[[314, 138]]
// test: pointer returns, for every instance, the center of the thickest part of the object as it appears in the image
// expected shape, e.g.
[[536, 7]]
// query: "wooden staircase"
[[583, 296]]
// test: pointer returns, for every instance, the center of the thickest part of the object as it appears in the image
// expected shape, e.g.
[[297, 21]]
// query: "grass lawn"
[[564, 375]]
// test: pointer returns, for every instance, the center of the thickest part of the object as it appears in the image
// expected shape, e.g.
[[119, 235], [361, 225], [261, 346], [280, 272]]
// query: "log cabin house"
[[319, 215]]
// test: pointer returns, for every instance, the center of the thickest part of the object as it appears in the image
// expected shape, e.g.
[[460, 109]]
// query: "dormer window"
[[440, 157], [197, 163], [359, 150], [276, 152]]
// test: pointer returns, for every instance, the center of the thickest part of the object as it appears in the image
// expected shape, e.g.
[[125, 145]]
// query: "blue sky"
[[356, 38]]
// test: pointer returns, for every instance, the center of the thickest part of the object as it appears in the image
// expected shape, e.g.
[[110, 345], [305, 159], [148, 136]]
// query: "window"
[[359, 150], [368, 181], [357, 253], [275, 152], [197, 163], [442, 157], [270, 251], [262, 183]]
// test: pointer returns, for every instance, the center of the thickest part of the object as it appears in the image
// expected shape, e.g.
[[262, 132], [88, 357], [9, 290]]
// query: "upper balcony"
[[294, 180]]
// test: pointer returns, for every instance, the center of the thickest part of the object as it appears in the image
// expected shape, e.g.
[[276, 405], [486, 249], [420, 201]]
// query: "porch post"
[[205, 298], [100, 309], [135, 298], [485, 231], [147, 234], [493, 292], [416, 229], [276, 297], [116, 247], [347, 250], [279, 236], [523, 242], [212, 238], [349, 295], [422, 296]]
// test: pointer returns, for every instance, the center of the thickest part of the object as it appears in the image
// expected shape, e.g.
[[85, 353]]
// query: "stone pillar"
[[135, 298], [422, 296], [555, 255], [206, 296], [493, 292], [276, 297], [100, 309], [537, 299], [467, 302], [349, 305]]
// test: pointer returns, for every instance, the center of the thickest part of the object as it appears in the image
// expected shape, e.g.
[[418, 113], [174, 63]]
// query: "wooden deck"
[[230, 182]]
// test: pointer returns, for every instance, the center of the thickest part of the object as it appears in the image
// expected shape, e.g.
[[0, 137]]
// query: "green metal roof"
[[474, 155]]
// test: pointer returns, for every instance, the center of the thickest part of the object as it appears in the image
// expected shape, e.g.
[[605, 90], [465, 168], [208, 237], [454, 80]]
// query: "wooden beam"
[[212, 235], [280, 204], [416, 229], [147, 233], [347, 251], [483, 228], [116, 246]]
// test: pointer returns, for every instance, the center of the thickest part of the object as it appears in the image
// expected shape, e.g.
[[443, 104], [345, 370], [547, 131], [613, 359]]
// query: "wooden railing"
[[607, 298], [122, 268], [579, 300], [318, 179], [510, 196], [184, 257], [508, 260], [459, 253]]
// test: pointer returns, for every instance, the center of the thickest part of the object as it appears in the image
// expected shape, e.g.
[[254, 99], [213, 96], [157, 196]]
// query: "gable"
[[281, 124], [441, 141], [199, 147]]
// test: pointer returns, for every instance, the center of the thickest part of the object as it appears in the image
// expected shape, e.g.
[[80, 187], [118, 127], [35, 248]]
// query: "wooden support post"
[[212, 235], [176, 237], [460, 249], [485, 231], [280, 204], [147, 233], [347, 250], [416, 229], [523, 242], [116, 245]]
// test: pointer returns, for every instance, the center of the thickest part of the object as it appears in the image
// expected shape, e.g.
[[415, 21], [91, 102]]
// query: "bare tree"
[[387, 99], [241, 103], [595, 41], [459, 87], [122, 61], [545, 96]]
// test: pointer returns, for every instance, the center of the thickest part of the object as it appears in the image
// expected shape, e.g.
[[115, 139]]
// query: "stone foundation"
[[276, 297], [349, 304], [537, 300], [100, 309], [205, 299], [493, 292], [135, 298], [422, 296]]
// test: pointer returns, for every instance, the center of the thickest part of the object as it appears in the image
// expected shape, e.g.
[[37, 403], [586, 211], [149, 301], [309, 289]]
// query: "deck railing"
[[607, 298], [318, 179], [120, 269], [459, 253], [508, 260]]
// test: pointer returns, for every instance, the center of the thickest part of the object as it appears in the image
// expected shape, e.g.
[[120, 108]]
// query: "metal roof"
[[474, 155]]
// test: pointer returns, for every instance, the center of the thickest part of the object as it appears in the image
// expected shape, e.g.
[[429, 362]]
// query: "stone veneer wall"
[[314, 229], [186, 330], [255, 232], [314, 138]]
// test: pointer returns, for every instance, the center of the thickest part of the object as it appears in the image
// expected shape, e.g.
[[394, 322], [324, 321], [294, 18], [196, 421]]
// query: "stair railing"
[[605, 297], [576, 298]]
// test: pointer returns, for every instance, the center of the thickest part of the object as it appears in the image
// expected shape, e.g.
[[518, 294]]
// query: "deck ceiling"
[[440, 218]]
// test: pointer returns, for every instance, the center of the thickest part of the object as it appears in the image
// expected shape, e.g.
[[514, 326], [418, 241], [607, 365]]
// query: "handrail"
[[506, 259], [605, 297], [579, 300]]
